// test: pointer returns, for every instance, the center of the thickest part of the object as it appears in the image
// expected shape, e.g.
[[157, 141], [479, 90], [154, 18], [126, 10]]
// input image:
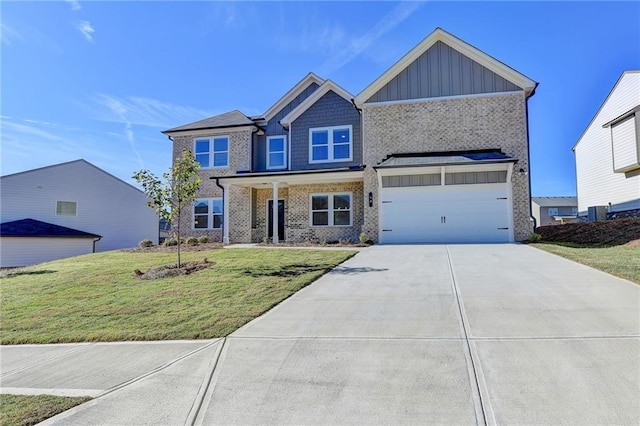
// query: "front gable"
[[442, 71], [443, 65]]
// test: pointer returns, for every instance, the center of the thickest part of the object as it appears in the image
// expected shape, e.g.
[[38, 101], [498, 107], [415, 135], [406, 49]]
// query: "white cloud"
[[144, 111], [75, 4], [346, 50], [9, 128], [9, 35], [86, 29]]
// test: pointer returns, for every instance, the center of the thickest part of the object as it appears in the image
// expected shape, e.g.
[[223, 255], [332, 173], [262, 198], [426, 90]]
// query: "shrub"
[[203, 240], [534, 238], [170, 242], [145, 243], [363, 238], [192, 241]]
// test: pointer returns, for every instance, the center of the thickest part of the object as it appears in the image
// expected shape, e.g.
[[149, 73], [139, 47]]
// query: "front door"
[[280, 219]]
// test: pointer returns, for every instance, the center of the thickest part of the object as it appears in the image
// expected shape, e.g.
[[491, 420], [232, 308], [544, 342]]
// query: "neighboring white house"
[[608, 152], [75, 195]]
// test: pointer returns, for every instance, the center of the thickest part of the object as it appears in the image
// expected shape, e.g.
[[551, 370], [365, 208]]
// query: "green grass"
[[96, 297], [621, 261], [24, 410]]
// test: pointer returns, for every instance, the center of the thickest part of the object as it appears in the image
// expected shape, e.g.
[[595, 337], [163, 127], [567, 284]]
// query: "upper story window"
[[330, 144], [553, 211], [276, 152], [207, 213], [66, 208], [212, 152], [574, 211]]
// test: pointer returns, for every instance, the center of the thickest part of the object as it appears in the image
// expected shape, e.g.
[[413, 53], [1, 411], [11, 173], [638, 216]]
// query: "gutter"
[[353, 101]]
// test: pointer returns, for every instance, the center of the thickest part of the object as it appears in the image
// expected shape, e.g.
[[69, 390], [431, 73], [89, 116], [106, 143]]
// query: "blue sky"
[[100, 80]]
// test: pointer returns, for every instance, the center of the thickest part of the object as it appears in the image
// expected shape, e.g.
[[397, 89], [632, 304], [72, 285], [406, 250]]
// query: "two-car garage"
[[446, 205]]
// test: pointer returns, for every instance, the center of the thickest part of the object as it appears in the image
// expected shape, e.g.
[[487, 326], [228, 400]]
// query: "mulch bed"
[[173, 270], [609, 232]]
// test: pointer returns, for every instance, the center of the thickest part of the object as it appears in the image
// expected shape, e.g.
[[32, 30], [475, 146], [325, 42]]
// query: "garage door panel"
[[478, 213]]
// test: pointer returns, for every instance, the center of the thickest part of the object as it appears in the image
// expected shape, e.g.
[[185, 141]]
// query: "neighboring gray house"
[[607, 153], [68, 209], [554, 210], [434, 150]]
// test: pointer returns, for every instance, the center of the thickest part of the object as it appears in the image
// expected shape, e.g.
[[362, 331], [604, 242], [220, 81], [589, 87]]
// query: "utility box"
[[597, 213]]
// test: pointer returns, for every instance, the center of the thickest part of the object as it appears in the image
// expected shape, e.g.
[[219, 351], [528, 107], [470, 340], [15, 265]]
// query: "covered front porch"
[[313, 205]]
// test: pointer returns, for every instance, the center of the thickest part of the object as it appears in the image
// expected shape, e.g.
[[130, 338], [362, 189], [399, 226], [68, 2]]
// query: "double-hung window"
[[330, 144], [212, 152], [332, 209], [207, 213], [276, 152]]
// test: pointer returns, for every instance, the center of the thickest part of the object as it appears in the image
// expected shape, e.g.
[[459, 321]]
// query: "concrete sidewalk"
[[458, 334]]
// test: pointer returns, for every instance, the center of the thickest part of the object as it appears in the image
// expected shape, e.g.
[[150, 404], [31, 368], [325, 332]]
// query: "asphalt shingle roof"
[[443, 158], [36, 228], [555, 201], [228, 119]]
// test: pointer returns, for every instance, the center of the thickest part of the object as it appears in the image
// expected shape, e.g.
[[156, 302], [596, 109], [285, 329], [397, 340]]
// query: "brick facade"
[[296, 204], [239, 159], [453, 124]]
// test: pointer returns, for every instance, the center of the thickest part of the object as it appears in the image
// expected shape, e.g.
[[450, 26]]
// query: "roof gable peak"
[[327, 86], [291, 95], [457, 44]]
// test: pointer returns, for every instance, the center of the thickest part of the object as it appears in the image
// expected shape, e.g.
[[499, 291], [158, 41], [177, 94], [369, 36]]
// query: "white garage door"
[[446, 214]]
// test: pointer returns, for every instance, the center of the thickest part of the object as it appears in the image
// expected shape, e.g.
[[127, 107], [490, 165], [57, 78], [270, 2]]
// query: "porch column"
[[275, 213], [225, 214]]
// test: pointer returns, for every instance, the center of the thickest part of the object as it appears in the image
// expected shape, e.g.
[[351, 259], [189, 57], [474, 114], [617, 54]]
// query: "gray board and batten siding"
[[442, 71], [328, 111], [273, 128]]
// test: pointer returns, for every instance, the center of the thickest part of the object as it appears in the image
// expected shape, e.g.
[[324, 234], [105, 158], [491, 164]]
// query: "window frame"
[[212, 151], [556, 209], [75, 212], [284, 152], [210, 214], [331, 144], [330, 209]]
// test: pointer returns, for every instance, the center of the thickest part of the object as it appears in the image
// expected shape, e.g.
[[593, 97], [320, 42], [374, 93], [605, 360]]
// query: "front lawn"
[[97, 297], [621, 261], [25, 410]]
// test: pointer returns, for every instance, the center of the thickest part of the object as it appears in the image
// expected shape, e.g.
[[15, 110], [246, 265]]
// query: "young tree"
[[178, 190]]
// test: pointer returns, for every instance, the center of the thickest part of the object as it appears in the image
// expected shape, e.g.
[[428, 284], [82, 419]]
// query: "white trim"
[[457, 44], [313, 98], [212, 151], [211, 131], [284, 152], [286, 179], [439, 98], [291, 95], [330, 144], [330, 209]]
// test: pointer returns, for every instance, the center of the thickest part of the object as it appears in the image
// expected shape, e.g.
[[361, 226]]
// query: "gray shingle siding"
[[442, 71], [273, 128], [330, 110]]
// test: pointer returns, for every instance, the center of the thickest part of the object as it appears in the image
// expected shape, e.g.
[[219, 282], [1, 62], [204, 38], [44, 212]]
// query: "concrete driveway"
[[458, 334]]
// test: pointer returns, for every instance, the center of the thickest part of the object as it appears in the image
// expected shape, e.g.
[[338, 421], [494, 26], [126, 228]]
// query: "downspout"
[[94, 243], [526, 110], [223, 209]]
